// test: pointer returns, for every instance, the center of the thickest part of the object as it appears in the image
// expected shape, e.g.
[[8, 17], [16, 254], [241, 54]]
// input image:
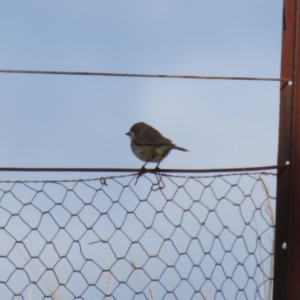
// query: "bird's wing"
[[154, 141], [151, 137]]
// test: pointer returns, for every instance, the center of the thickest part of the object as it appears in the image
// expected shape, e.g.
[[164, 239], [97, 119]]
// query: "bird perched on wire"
[[150, 145]]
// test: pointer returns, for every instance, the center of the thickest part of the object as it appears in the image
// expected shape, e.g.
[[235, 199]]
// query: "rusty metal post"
[[287, 235]]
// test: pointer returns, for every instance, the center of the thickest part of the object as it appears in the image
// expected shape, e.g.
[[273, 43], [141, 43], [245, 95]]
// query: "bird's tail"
[[179, 148]]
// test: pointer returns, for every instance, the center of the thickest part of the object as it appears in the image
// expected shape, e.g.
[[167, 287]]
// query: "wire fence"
[[159, 237]]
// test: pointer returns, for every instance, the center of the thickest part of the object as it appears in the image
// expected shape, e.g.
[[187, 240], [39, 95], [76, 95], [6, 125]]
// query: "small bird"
[[150, 145]]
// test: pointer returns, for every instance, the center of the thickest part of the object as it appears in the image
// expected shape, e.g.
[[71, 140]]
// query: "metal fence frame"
[[287, 242]]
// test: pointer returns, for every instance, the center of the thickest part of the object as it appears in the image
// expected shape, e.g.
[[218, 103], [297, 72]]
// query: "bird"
[[149, 145]]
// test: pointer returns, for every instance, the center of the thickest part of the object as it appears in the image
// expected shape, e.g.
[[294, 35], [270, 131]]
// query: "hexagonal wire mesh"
[[167, 237]]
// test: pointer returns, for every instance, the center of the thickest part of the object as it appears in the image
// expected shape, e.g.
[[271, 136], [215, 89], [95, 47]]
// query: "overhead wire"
[[112, 74]]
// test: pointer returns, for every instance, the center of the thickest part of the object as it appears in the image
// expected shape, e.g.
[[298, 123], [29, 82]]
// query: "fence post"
[[287, 234]]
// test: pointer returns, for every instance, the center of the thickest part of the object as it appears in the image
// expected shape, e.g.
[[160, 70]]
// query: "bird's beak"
[[128, 133]]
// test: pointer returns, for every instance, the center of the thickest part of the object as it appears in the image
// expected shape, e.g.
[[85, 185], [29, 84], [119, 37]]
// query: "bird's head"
[[136, 129]]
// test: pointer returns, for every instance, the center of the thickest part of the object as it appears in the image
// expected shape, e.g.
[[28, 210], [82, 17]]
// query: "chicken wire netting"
[[158, 237]]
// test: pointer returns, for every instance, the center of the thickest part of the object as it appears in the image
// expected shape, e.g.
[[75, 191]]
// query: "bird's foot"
[[157, 169]]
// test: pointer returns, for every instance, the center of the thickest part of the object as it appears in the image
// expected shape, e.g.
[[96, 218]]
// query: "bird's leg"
[[143, 167], [157, 169]]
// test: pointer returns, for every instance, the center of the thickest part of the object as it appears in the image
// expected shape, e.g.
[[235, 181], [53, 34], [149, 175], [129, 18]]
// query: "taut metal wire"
[[174, 76], [126, 170]]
